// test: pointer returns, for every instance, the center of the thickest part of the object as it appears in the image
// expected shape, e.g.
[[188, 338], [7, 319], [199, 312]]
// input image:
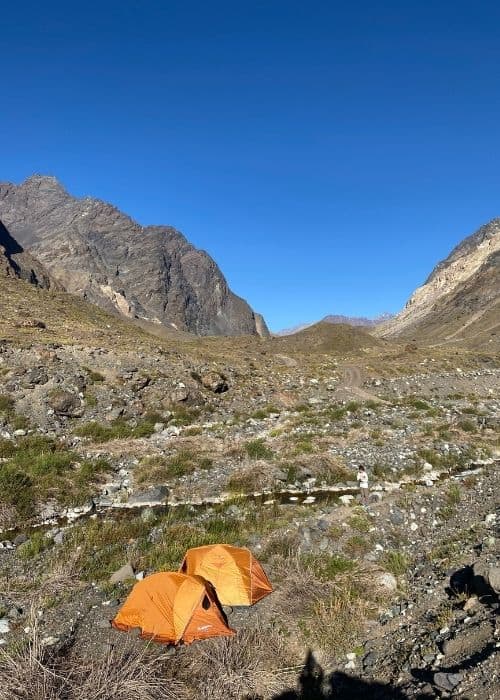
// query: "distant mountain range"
[[339, 319], [153, 273]]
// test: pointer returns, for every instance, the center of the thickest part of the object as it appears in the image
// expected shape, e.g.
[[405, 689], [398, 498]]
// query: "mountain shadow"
[[15, 261], [10, 245]]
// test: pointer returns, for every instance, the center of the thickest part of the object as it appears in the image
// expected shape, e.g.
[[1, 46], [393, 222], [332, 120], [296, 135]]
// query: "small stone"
[[49, 641], [387, 580], [14, 613], [58, 537], [123, 574], [20, 539], [4, 625], [471, 603]]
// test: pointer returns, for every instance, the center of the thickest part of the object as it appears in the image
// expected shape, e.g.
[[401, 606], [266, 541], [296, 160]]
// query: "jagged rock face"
[[15, 262], [461, 297], [99, 253]]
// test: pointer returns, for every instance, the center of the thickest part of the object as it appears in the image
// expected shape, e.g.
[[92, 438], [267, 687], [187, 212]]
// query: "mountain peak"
[[94, 250]]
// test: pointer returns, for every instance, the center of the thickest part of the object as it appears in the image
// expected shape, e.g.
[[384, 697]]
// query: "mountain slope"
[[94, 250], [460, 300]]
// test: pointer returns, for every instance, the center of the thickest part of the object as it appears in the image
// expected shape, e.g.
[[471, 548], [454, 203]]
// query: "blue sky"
[[326, 154]]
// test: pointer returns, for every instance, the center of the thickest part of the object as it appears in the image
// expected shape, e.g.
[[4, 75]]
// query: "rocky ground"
[[120, 450]]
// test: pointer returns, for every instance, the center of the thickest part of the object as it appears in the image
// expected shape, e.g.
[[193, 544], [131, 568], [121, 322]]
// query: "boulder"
[[486, 579], [65, 403], [214, 382], [155, 495], [447, 681]]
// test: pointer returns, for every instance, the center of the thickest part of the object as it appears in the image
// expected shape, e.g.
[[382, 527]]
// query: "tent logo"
[[204, 628]]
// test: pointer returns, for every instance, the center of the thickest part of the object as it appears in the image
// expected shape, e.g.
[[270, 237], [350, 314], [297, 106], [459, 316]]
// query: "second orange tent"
[[236, 575]]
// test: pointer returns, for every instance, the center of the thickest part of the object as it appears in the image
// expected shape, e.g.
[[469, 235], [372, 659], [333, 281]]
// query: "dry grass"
[[31, 671], [8, 516], [128, 673], [254, 664], [329, 614], [28, 672]]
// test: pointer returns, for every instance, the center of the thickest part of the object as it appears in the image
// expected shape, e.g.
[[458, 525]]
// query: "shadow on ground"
[[313, 685]]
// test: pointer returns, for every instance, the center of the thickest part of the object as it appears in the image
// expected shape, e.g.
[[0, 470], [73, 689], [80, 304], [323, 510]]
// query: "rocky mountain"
[[95, 251], [460, 300]]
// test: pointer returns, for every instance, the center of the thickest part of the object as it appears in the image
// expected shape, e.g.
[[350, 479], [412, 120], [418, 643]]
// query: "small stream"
[[326, 495]]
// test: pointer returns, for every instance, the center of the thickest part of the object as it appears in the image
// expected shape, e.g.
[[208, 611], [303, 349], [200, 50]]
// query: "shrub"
[[184, 415], [394, 561], [16, 489], [257, 449], [36, 544], [357, 546], [119, 429], [359, 523], [264, 412], [6, 404], [327, 568], [245, 481], [94, 376], [468, 426], [7, 447], [39, 467], [158, 469], [419, 404]]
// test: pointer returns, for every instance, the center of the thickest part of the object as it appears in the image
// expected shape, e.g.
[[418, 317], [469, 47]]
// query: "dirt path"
[[352, 380]]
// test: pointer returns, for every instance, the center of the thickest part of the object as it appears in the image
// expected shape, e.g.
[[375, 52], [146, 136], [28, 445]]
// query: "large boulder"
[[65, 403]]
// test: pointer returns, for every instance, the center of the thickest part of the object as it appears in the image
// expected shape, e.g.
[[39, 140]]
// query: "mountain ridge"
[[460, 299], [94, 250]]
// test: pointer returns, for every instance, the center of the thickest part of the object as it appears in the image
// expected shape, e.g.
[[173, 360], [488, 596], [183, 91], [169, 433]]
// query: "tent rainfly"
[[234, 572], [171, 607]]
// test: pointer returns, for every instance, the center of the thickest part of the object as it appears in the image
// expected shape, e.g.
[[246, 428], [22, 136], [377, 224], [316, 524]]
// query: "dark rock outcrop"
[[94, 250], [15, 262]]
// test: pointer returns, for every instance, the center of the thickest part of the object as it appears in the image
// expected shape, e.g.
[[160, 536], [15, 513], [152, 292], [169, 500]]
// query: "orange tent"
[[234, 572], [172, 607]]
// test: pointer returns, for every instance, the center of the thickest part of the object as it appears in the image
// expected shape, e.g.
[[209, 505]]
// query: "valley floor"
[[254, 443]]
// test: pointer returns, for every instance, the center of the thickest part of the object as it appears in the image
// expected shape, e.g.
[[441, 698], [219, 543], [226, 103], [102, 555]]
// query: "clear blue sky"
[[326, 154]]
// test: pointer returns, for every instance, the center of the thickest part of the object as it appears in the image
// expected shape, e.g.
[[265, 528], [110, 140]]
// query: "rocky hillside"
[[94, 250], [460, 301]]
